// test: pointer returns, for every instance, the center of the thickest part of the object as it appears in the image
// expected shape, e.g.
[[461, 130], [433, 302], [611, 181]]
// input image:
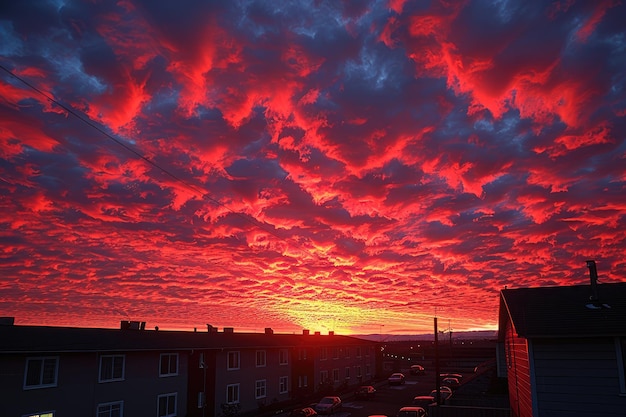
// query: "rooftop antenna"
[[594, 298]]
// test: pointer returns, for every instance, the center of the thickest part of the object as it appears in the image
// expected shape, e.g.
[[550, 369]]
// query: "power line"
[[95, 126]]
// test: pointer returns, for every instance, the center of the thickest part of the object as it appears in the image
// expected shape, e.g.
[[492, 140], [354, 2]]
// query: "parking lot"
[[389, 399]]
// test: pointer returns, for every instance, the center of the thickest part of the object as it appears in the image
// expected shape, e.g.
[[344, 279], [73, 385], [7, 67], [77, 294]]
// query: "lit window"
[[233, 360], [46, 414], [261, 358], [260, 389], [115, 409], [166, 405], [169, 364], [232, 394], [111, 368], [283, 385], [41, 372]]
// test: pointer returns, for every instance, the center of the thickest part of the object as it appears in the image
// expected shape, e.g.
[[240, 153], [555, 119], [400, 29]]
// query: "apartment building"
[[130, 371]]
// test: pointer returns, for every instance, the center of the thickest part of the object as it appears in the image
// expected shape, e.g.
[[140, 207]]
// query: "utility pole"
[[437, 364]]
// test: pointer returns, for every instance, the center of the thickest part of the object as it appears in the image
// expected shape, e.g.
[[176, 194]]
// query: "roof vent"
[[132, 325], [229, 330], [594, 297]]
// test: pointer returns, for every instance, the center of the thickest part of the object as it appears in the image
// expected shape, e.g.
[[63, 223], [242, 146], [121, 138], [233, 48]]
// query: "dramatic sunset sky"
[[356, 166]]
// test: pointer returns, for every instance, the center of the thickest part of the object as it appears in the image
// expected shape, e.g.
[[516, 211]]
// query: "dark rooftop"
[[565, 311]]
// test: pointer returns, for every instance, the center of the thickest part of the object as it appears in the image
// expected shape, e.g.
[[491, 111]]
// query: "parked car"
[[412, 412], [365, 392], [446, 393], [328, 405], [424, 401], [451, 382], [417, 370], [303, 412], [396, 379], [449, 375]]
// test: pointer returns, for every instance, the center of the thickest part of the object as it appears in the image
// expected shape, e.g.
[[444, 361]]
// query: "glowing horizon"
[[313, 165]]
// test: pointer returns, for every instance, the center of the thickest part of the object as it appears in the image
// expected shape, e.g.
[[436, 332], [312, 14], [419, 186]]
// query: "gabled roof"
[[33, 339], [564, 311]]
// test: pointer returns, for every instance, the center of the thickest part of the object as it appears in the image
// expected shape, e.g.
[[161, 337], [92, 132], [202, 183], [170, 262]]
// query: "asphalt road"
[[389, 399]]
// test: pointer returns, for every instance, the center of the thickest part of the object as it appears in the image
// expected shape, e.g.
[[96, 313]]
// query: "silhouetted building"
[[131, 371], [564, 350]]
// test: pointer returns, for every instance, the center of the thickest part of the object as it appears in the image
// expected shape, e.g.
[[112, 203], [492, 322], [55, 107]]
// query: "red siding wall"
[[518, 374]]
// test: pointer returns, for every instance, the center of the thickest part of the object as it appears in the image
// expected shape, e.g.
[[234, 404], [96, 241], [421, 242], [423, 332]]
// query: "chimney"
[[268, 330], [331, 333], [318, 333], [593, 276], [229, 330], [7, 321], [305, 332]]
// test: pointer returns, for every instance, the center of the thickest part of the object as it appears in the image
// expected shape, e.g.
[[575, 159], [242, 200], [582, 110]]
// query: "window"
[[303, 381], [335, 353], [261, 358], [324, 376], [232, 394], [302, 354], [115, 409], [260, 390], [368, 371], [358, 352], [283, 357], [111, 368], [169, 364], [283, 385], [347, 353], [41, 372], [347, 372], [336, 375], [323, 354], [46, 414], [357, 371], [166, 405], [233, 360]]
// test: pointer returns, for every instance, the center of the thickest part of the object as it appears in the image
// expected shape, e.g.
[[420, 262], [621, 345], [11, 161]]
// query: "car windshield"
[[407, 414], [326, 401]]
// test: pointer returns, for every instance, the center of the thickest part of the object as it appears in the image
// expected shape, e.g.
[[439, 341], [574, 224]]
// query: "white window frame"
[[167, 396], [232, 394], [357, 371], [336, 375], [283, 384], [261, 358], [302, 354], [169, 357], [324, 376], [347, 374], [283, 357], [100, 409], [112, 378], [303, 381], [620, 347], [260, 389], [236, 358], [41, 384]]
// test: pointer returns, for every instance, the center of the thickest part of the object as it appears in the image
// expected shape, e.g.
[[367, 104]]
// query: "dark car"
[[450, 382], [365, 392], [328, 405], [303, 412], [424, 401], [417, 370], [412, 412], [396, 379]]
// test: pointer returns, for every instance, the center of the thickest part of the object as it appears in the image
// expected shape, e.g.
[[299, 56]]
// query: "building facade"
[[60, 371]]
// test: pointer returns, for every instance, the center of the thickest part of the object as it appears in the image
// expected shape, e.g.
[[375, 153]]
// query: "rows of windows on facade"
[[42, 372]]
